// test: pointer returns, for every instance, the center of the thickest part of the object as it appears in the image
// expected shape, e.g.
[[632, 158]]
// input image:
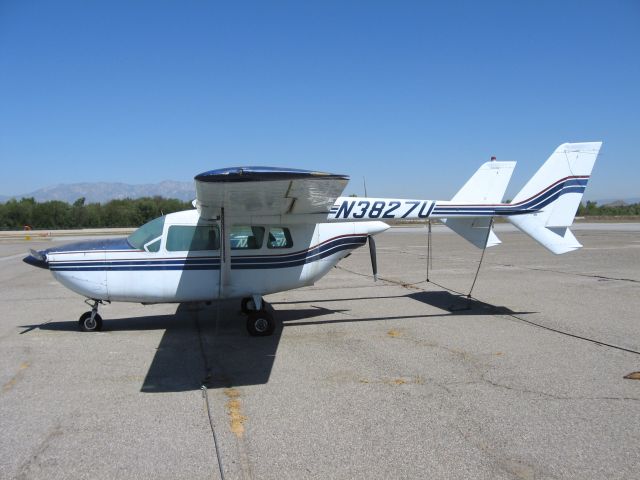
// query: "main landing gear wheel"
[[260, 323], [247, 305], [88, 324]]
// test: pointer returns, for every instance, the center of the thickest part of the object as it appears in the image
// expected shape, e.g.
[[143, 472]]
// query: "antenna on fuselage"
[[364, 183]]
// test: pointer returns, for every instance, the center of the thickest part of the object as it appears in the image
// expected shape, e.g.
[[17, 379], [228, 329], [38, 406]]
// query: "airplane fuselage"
[[180, 260]]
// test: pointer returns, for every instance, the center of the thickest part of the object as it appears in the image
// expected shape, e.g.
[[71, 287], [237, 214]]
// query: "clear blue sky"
[[412, 95]]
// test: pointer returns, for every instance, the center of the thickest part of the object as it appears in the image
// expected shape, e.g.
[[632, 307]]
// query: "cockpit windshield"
[[148, 236]]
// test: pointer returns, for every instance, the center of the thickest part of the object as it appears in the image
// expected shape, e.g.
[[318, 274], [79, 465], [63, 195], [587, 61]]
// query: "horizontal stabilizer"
[[473, 230], [556, 239]]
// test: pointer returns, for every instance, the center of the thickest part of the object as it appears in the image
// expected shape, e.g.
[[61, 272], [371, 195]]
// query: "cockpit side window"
[[148, 236], [192, 238], [246, 238]]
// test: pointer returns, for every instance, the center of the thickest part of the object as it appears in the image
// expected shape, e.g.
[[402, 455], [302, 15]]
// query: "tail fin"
[[554, 194], [487, 185]]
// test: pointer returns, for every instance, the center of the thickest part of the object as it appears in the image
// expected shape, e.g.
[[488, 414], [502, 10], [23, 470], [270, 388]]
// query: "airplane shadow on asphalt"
[[209, 345], [449, 303]]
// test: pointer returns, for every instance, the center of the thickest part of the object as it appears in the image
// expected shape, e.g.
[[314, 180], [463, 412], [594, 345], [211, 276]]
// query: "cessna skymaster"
[[260, 230]]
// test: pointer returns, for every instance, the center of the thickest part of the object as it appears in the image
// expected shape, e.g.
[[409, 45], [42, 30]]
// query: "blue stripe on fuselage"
[[213, 263], [575, 185]]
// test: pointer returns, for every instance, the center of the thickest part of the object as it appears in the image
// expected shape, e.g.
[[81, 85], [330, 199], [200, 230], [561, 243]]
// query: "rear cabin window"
[[279, 237], [148, 236], [183, 238], [246, 238]]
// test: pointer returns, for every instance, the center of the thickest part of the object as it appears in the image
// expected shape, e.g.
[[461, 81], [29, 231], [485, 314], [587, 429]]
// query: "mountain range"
[[102, 192]]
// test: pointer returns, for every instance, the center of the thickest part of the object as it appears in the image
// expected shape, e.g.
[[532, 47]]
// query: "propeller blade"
[[374, 262]]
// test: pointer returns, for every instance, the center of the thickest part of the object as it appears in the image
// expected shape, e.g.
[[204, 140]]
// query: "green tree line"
[[593, 209], [15, 214]]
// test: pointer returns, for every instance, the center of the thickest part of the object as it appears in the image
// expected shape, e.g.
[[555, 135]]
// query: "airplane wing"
[[266, 191]]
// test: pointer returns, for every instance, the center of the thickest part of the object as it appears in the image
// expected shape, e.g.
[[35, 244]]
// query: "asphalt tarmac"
[[401, 378]]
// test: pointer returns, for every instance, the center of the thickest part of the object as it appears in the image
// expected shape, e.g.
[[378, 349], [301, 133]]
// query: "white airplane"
[[260, 230]]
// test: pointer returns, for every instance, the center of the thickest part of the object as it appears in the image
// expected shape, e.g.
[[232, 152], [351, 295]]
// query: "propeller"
[[372, 252]]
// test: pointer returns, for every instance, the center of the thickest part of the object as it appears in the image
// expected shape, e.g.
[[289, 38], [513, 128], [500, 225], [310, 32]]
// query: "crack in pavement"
[[552, 396], [35, 459], [587, 275], [516, 468]]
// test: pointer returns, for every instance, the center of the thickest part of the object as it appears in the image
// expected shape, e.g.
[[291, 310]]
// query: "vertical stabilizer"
[[554, 194], [487, 185]]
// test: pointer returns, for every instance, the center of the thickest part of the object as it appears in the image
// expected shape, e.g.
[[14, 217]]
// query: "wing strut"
[[225, 261], [486, 244]]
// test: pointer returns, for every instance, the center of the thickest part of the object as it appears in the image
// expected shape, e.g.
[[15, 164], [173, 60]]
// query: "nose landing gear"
[[91, 321]]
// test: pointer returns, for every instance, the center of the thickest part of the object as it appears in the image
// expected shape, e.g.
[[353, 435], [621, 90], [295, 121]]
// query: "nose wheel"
[[88, 324], [91, 321]]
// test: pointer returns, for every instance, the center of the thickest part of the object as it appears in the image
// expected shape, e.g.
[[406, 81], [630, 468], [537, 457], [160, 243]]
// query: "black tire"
[[87, 326], [246, 304], [260, 324]]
